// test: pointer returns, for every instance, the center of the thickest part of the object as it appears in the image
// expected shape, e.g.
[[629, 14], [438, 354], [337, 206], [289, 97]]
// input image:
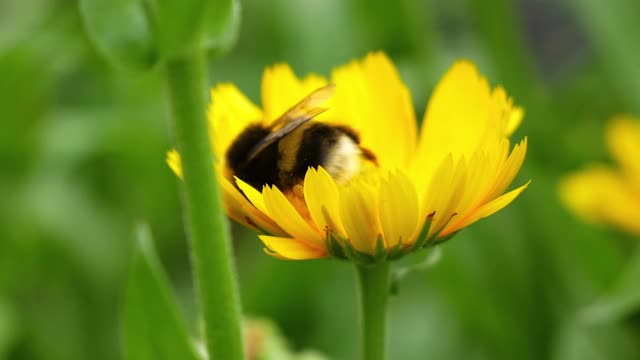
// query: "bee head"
[[259, 170]]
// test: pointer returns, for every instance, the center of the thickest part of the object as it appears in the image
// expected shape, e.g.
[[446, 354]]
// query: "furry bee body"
[[259, 171], [280, 154], [285, 162]]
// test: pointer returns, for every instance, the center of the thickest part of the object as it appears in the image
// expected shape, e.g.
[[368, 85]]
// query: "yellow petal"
[[239, 208], [291, 249], [285, 215], [515, 118], [510, 169], [487, 209], [236, 205], [229, 114], [478, 177], [489, 175], [371, 98], [431, 200], [601, 195], [454, 119], [623, 139], [254, 196], [445, 192], [398, 209], [174, 162], [323, 201], [463, 115], [281, 89], [360, 215]]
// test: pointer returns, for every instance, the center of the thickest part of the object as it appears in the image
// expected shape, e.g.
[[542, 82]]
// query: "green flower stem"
[[374, 286], [207, 226]]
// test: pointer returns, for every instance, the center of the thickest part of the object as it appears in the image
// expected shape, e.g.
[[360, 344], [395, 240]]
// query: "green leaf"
[[577, 340], [8, 328], [623, 300], [120, 31], [153, 328]]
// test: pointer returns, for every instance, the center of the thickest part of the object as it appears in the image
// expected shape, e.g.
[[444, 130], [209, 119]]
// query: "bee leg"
[[369, 155]]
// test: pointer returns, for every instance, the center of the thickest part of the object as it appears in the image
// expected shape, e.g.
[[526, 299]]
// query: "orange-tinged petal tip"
[[488, 209]]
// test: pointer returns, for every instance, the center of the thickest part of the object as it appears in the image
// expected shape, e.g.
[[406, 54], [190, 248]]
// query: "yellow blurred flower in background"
[[426, 184], [606, 194]]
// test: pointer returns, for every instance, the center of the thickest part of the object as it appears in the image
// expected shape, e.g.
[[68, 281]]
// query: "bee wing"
[[300, 113], [306, 106]]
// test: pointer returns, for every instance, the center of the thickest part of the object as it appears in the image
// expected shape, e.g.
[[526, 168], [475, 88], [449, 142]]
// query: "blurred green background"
[[82, 149]]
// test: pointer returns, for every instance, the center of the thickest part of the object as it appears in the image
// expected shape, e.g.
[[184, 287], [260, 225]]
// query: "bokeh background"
[[82, 148]]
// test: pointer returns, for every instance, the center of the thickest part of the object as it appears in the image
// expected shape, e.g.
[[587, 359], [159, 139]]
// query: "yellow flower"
[[425, 186], [608, 195]]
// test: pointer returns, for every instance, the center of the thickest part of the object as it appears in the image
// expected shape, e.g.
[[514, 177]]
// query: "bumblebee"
[[280, 154]]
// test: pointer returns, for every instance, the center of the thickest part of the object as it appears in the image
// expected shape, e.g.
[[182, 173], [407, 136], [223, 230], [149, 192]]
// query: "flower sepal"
[[341, 248]]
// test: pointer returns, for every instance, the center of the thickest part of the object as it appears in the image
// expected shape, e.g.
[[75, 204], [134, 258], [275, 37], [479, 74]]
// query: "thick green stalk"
[[373, 286], [207, 226]]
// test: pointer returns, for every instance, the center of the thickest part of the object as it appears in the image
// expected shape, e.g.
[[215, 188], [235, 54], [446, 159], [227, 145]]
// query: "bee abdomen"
[[334, 148]]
